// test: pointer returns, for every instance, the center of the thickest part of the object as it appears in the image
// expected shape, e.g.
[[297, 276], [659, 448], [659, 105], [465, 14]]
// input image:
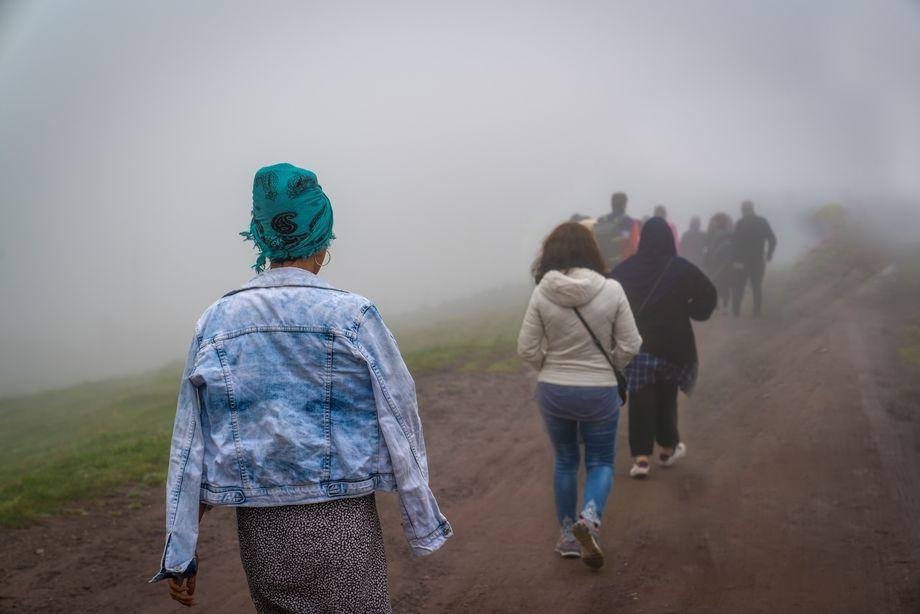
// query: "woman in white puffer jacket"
[[576, 386]]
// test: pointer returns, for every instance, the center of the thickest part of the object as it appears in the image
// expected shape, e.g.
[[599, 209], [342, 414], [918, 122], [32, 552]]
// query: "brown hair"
[[568, 246]]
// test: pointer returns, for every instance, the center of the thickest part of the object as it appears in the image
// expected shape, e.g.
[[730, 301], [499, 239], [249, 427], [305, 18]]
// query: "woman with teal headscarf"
[[295, 407], [291, 215]]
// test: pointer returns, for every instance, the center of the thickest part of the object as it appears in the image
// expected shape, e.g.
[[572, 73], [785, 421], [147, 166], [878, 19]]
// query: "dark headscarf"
[[652, 272]]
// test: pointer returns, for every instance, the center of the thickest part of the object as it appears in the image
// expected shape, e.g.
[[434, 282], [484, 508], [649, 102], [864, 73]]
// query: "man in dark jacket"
[[752, 234]]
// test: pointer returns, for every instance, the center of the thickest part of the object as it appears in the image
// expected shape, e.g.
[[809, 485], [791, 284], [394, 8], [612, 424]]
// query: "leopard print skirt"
[[320, 557]]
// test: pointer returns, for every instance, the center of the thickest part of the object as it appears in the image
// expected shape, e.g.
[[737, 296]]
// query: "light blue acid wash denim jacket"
[[294, 392]]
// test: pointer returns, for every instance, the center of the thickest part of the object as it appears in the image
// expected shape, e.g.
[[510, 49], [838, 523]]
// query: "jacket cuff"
[[422, 546], [186, 569], [183, 571]]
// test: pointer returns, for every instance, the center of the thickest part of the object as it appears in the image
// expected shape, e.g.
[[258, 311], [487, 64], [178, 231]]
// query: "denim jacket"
[[294, 392]]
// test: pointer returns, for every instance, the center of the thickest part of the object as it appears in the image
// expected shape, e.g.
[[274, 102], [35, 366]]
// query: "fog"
[[449, 139]]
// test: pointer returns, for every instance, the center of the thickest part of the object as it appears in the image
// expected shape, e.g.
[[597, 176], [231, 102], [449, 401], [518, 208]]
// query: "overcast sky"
[[449, 138]]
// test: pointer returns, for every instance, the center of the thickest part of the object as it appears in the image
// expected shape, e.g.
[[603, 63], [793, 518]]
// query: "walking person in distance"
[[693, 242], [617, 234], [719, 257], [754, 243], [665, 292], [577, 330]]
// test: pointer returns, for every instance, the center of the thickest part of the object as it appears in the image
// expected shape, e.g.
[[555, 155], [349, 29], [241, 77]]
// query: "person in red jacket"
[[617, 234]]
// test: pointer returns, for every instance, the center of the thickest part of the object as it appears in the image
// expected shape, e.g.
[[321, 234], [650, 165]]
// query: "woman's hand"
[[182, 590]]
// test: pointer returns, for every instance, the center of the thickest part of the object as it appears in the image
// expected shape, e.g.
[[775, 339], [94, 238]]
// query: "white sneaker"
[[680, 451], [639, 470]]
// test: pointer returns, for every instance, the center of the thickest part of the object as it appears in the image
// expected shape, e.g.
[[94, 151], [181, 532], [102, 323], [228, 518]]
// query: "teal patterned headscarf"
[[291, 216]]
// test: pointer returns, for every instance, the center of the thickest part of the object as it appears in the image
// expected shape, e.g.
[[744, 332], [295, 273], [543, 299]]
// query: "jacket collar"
[[285, 276]]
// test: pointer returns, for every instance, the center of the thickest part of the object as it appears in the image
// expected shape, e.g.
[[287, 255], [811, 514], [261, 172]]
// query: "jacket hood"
[[573, 288]]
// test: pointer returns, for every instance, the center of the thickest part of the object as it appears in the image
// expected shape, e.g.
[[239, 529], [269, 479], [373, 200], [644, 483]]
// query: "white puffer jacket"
[[553, 340]]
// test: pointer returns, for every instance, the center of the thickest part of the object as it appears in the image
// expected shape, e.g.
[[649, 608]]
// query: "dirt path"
[[800, 493]]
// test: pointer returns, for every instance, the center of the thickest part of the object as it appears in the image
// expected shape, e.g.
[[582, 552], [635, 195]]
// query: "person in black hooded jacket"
[[665, 293]]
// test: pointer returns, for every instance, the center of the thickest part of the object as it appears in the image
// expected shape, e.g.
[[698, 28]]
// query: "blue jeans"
[[600, 439]]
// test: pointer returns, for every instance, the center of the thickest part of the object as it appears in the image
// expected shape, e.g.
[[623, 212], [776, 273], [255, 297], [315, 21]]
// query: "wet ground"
[[800, 493]]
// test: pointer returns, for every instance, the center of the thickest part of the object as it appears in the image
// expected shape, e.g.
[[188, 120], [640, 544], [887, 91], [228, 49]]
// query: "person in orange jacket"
[[617, 234]]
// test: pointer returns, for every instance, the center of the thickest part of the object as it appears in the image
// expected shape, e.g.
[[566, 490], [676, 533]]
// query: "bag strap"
[[595, 339], [622, 382], [655, 287]]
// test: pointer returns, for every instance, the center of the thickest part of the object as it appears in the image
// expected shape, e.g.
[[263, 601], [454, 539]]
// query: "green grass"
[[847, 257], [80, 442], [907, 263], [908, 266], [911, 352], [471, 343], [75, 443], [844, 259]]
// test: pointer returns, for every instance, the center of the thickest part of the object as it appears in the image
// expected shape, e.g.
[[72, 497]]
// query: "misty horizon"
[[449, 139]]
